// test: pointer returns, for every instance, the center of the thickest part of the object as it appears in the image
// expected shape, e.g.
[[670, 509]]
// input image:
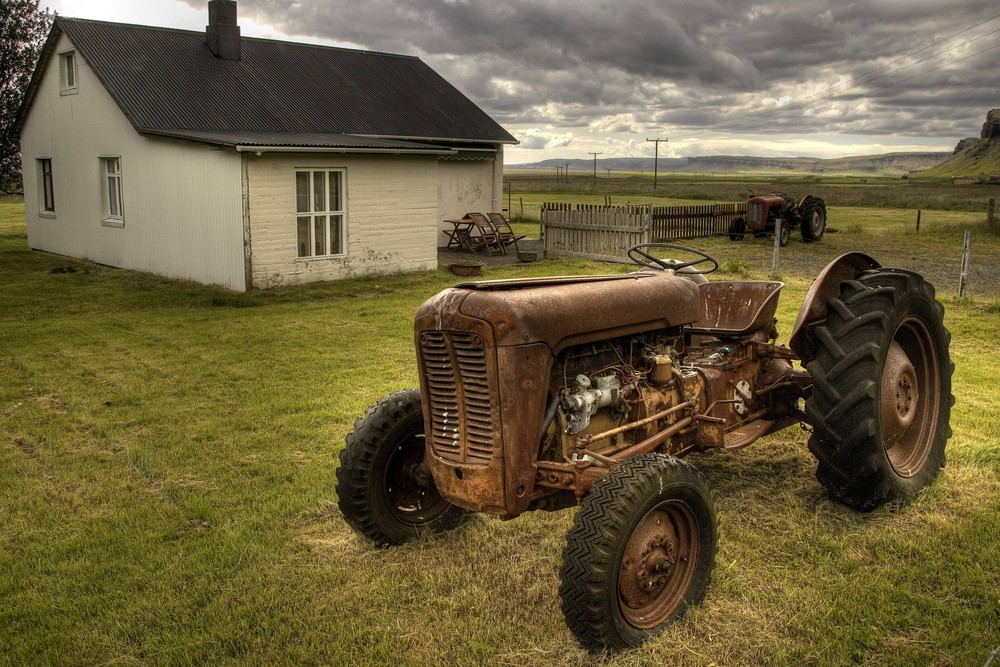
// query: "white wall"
[[183, 207], [391, 217], [467, 186]]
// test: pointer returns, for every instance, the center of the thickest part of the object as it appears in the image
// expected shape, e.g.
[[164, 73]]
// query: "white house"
[[246, 162]]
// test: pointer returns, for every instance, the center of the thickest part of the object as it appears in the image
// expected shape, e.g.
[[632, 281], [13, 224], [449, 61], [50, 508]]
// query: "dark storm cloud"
[[686, 65]]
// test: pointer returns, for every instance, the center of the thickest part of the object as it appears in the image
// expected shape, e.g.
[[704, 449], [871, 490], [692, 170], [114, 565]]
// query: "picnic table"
[[461, 236]]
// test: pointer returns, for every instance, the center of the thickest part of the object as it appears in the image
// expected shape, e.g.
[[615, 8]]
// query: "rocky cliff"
[[991, 128], [974, 157]]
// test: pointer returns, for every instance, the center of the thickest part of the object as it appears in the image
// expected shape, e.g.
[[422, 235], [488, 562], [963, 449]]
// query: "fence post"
[[918, 220], [777, 248], [541, 233], [966, 251], [991, 213]]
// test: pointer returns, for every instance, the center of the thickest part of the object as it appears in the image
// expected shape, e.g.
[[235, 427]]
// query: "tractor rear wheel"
[[737, 228], [813, 216], [640, 551], [383, 489], [881, 399]]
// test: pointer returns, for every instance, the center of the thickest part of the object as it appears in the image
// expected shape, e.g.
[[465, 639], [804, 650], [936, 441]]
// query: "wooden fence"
[[590, 230], [607, 232]]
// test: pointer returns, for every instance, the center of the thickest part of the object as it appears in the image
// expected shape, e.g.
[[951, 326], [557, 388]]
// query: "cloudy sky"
[[567, 77]]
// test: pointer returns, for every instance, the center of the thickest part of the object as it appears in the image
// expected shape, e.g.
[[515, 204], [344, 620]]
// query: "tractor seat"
[[736, 309]]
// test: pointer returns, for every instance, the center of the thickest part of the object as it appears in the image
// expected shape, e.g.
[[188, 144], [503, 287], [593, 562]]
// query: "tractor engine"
[[601, 386], [763, 211]]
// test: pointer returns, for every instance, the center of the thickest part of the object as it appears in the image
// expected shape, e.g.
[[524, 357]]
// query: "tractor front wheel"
[[640, 551], [881, 399], [786, 233], [384, 490], [737, 228]]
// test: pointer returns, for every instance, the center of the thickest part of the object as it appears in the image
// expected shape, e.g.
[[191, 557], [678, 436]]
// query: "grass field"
[[853, 191], [167, 458]]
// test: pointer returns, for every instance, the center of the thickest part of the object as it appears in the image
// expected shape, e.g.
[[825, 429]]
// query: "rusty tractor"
[[547, 393], [777, 211]]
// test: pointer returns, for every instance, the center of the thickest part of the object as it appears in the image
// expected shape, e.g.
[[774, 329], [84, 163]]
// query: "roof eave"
[[511, 141], [249, 148]]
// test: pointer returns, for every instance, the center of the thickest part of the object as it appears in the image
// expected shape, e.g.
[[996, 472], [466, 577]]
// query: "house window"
[[111, 190], [46, 191], [68, 76], [319, 210]]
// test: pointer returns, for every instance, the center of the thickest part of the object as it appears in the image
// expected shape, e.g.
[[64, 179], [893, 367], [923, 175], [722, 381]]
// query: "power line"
[[656, 158], [595, 167]]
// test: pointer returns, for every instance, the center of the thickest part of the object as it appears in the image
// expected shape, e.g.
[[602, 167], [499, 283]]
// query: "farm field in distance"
[[169, 449]]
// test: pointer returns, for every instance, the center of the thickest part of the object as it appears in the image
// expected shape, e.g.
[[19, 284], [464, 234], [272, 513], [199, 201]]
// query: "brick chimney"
[[222, 35]]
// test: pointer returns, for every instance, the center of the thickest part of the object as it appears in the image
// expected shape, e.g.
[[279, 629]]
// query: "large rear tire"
[[383, 489], [640, 552], [813, 215], [881, 399]]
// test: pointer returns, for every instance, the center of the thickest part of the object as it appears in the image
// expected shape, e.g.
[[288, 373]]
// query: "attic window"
[[69, 83]]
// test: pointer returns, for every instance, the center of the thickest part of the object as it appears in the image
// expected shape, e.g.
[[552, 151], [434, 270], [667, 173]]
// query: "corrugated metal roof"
[[168, 80], [265, 140]]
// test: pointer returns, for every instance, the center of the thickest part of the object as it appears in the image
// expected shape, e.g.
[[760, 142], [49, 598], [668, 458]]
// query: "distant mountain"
[[636, 164], [887, 164], [974, 157]]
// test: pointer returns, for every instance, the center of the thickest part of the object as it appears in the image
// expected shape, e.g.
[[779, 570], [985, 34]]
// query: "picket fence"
[[607, 232]]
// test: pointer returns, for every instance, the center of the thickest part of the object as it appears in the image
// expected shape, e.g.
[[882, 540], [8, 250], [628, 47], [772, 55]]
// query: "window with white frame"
[[69, 82], [111, 190], [319, 212], [46, 190]]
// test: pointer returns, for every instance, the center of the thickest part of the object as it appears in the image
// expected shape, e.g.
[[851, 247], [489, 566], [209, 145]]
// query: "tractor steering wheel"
[[638, 254]]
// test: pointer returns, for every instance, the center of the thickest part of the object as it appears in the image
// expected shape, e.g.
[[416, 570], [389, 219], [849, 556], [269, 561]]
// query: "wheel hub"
[[900, 395], [409, 489], [655, 571], [911, 397]]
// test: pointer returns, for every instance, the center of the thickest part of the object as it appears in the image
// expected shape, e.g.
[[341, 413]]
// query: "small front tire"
[[737, 228], [640, 552], [383, 489], [786, 233]]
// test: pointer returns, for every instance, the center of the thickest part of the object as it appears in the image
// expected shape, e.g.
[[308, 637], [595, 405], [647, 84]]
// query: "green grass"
[[979, 159], [167, 458]]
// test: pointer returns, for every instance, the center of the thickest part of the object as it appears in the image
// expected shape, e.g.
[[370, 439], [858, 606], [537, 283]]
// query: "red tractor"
[[765, 212], [547, 393]]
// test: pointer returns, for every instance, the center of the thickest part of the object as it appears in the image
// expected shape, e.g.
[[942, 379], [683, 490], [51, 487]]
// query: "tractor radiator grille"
[[754, 213], [462, 414]]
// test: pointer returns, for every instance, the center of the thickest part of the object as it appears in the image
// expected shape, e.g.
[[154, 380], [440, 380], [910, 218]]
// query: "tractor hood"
[[565, 311]]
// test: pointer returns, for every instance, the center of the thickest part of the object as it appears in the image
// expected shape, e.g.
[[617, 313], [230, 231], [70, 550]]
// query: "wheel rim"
[[911, 397], [817, 224], [409, 491], [658, 565]]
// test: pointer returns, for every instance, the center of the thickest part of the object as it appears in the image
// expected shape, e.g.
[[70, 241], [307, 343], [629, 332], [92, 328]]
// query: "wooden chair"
[[504, 232], [484, 236]]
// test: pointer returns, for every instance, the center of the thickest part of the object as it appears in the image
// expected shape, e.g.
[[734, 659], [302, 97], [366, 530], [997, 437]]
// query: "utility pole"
[[656, 158], [595, 167], [566, 171]]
